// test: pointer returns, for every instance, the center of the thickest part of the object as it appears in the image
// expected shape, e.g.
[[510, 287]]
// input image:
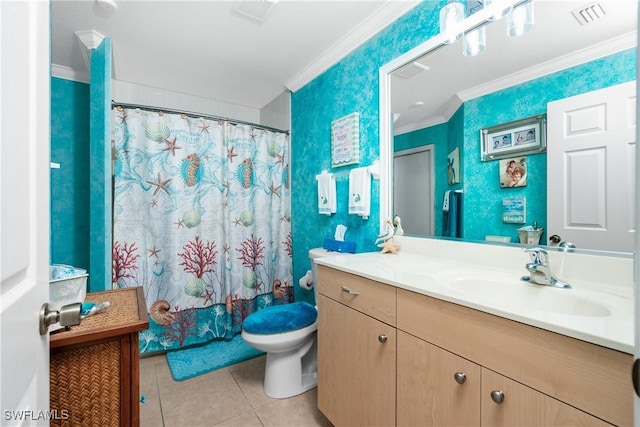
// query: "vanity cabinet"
[[443, 364], [356, 350], [435, 387], [544, 378], [439, 388]]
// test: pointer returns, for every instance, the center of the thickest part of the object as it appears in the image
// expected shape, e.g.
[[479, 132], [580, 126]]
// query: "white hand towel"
[[326, 193], [360, 192]]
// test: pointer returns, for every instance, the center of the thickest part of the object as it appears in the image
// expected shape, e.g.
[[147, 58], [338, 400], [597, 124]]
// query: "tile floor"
[[231, 396]]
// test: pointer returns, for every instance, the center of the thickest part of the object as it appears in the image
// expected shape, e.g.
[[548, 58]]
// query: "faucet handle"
[[538, 255]]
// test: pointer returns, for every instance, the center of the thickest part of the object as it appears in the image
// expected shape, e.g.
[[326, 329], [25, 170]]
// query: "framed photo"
[[526, 136], [513, 172]]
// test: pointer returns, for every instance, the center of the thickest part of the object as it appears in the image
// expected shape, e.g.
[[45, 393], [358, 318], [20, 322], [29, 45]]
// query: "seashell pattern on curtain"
[[201, 221]]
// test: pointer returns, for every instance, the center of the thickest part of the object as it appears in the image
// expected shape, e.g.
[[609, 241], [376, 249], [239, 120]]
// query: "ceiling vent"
[[255, 9], [410, 70], [589, 13]]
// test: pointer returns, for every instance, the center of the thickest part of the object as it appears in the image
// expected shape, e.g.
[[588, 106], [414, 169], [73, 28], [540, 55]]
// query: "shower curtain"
[[201, 222]]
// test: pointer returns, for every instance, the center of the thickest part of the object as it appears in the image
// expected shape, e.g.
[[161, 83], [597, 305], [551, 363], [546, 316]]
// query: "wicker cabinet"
[[94, 367]]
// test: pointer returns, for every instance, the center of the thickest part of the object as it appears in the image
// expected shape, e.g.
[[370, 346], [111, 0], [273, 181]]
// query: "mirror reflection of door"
[[591, 168], [413, 189]]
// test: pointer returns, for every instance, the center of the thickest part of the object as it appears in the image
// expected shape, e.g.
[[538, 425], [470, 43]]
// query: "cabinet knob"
[[382, 338], [497, 396], [460, 377]]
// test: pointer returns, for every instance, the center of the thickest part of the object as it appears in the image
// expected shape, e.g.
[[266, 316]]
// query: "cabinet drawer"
[[367, 296]]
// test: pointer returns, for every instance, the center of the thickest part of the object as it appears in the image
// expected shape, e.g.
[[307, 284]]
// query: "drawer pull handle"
[[497, 396], [350, 291], [460, 377], [382, 338]]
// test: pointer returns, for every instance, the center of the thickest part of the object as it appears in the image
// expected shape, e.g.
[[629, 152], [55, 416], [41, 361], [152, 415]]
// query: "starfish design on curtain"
[[204, 127], [153, 252], [160, 184], [171, 146], [274, 190], [231, 154]]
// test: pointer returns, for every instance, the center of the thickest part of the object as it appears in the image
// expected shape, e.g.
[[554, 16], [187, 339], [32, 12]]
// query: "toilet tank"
[[316, 253]]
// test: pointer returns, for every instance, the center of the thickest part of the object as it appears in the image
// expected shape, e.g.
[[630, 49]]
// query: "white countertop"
[[598, 313]]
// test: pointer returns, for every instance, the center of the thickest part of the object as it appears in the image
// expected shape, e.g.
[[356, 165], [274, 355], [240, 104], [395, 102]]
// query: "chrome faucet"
[[540, 271]]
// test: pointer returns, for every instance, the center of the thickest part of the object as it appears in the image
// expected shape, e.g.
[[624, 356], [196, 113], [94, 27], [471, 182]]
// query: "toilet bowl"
[[287, 333]]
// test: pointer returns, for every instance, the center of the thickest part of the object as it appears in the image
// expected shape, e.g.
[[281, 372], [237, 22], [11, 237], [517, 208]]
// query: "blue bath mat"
[[194, 361]]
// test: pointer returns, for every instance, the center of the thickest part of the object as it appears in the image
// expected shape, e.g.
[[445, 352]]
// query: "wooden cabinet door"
[[429, 392], [524, 406], [356, 367]]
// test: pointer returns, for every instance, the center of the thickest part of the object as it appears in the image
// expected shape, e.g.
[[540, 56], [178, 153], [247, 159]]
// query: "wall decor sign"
[[345, 140], [526, 136], [513, 172], [514, 210]]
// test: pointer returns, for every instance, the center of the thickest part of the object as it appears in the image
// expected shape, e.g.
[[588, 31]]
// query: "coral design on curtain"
[[201, 221]]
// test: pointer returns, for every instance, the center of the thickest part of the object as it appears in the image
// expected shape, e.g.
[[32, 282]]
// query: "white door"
[[413, 189], [591, 142], [24, 210]]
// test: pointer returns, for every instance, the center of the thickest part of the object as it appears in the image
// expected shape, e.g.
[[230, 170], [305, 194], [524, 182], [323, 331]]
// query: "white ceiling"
[[206, 48]]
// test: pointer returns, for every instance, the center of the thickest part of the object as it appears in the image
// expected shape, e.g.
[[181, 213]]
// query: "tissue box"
[[67, 285], [339, 246]]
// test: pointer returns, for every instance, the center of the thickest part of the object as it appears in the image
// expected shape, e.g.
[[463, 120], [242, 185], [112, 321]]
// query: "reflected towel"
[[451, 216], [360, 192], [326, 193]]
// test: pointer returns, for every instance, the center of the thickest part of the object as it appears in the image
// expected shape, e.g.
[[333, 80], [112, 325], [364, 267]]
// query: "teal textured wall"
[[347, 87], [70, 183], [100, 172]]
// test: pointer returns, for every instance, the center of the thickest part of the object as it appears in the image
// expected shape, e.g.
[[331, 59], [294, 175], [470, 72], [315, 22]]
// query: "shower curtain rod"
[[115, 104]]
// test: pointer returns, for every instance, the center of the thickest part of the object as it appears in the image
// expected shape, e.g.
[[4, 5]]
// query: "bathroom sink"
[[529, 296]]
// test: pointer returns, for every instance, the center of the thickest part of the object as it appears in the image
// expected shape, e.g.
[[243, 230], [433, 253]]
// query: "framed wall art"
[[526, 136], [345, 140]]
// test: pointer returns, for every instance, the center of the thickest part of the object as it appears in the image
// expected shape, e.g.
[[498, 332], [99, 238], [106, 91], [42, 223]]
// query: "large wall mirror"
[[435, 101]]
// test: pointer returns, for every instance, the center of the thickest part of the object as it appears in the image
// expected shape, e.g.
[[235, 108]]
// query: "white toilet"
[[287, 333]]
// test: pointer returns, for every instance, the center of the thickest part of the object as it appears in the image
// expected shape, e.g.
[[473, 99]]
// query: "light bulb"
[[520, 20], [450, 18]]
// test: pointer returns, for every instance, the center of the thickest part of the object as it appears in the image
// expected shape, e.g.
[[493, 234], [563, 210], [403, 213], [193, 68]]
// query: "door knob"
[[382, 338], [69, 315]]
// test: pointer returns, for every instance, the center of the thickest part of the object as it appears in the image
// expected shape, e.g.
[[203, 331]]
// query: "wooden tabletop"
[[127, 313]]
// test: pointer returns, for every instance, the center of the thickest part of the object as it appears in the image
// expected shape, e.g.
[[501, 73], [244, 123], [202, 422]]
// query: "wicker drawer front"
[[372, 298], [85, 385]]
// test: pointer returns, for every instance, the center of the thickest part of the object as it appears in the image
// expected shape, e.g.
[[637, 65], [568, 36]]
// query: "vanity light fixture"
[[451, 17], [474, 42], [520, 21], [504, 6]]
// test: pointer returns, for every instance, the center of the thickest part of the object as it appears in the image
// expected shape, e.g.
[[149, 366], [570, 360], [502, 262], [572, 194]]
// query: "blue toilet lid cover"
[[279, 319]]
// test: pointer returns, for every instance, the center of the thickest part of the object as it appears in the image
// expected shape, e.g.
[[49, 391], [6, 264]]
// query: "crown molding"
[[380, 19], [90, 38], [609, 47], [67, 73]]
